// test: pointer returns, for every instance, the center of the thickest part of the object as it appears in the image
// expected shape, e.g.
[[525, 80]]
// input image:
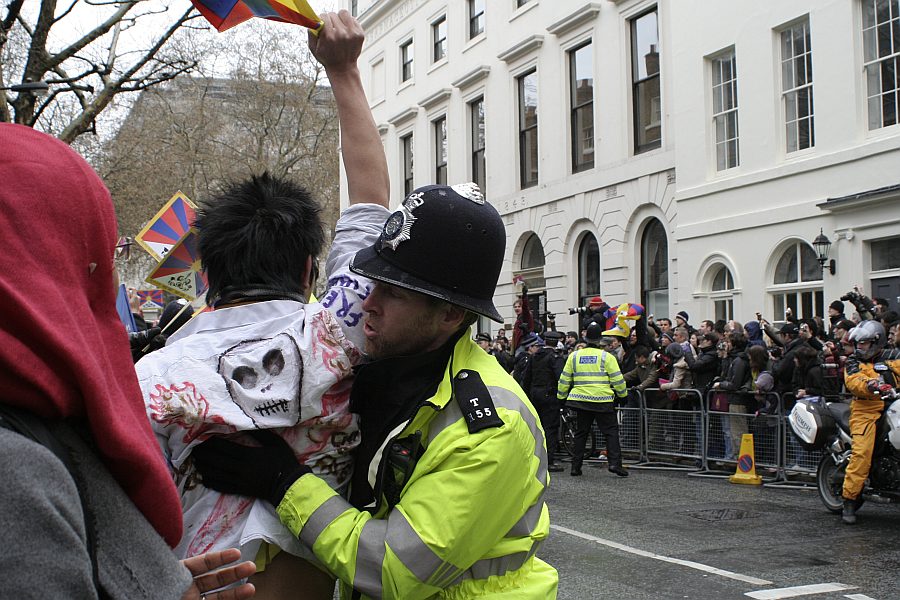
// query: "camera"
[[860, 302], [580, 310], [551, 316]]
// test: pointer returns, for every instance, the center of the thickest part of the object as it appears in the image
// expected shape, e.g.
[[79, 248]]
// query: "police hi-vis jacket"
[[470, 513], [591, 376]]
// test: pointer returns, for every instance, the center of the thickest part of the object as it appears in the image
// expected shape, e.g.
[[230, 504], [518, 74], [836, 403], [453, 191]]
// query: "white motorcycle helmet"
[[868, 331]]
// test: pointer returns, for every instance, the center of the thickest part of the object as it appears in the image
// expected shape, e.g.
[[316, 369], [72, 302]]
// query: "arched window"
[[533, 253], [531, 273], [797, 283], [655, 269], [588, 269], [722, 292]]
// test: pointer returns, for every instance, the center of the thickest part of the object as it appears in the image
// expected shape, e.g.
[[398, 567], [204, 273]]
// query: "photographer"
[[592, 313]]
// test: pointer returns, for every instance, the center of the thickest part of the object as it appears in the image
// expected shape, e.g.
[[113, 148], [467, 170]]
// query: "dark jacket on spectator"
[[736, 377], [811, 379], [705, 368], [643, 376]]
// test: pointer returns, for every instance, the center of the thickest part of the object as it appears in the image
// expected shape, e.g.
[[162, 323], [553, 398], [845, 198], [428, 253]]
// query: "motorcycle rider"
[[872, 371]]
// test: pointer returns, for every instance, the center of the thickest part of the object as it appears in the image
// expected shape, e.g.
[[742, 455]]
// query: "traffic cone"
[[746, 465]]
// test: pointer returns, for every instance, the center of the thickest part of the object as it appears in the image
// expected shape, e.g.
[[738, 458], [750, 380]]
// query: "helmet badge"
[[398, 227], [469, 191]]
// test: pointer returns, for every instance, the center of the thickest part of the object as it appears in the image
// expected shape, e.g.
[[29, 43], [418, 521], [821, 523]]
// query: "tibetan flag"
[[225, 14], [169, 225], [150, 298], [180, 271]]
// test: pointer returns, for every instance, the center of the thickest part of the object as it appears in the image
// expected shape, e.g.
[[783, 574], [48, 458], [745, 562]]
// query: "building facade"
[[684, 155]]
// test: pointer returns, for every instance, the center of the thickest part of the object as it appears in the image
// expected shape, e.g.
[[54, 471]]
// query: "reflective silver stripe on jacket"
[[486, 567]]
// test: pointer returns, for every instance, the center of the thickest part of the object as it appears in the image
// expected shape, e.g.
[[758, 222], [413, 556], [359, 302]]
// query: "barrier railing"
[[729, 415], [673, 429], [681, 430]]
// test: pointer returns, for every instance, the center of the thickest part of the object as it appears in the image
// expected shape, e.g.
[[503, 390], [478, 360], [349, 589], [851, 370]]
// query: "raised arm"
[[338, 47]]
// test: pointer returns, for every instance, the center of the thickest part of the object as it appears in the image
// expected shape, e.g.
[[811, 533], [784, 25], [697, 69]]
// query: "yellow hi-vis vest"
[[591, 375], [469, 519]]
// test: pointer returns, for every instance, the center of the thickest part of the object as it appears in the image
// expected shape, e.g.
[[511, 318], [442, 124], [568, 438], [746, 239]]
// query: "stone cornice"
[[529, 44], [436, 98], [472, 77], [584, 14]]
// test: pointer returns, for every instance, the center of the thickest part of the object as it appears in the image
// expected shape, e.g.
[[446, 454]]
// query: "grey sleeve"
[[358, 228], [42, 536]]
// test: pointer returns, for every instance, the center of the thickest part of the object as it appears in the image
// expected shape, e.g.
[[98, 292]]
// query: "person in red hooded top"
[[89, 509]]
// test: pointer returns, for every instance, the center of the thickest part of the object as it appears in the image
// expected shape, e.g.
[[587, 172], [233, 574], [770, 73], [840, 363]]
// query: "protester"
[[525, 323], [265, 358], [459, 449], [88, 506]]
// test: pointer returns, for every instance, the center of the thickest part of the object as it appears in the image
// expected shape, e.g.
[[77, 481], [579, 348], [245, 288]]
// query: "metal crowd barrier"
[[680, 430], [673, 429]]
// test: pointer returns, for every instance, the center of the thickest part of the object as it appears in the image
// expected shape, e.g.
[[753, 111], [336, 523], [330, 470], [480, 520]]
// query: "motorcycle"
[[821, 425]]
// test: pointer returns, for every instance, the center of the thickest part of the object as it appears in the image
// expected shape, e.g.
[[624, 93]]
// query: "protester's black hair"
[[889, 317], [719, 326], [640, 350], [258, 233], [758, 357]]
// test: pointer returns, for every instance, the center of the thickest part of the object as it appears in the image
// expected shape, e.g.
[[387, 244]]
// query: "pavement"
[[663, 534]]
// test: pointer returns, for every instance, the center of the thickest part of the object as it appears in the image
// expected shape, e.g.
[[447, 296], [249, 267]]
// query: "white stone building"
[[680, 154]]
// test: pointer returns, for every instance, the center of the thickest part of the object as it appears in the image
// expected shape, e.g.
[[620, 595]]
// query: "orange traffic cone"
[[746, 465]]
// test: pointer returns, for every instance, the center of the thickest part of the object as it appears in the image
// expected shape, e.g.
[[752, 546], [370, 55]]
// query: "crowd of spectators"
[[739, 368]]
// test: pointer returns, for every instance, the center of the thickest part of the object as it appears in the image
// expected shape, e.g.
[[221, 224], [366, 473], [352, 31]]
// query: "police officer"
[[539, 382], [590, 382], [447, 492], [871, 372]]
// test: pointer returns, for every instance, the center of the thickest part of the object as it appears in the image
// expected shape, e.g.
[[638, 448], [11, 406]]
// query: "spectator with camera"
[[593, 312]]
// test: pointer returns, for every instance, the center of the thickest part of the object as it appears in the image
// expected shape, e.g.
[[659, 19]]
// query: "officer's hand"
[[265, 471]]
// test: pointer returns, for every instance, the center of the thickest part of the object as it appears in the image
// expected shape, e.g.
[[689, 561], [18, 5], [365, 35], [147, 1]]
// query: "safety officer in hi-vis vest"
[[590, 383]]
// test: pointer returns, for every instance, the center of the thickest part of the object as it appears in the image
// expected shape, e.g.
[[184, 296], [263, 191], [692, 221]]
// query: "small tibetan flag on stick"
[[225, 14]]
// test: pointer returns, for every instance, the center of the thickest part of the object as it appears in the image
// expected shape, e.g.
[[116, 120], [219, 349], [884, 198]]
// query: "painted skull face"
[[263, 378]]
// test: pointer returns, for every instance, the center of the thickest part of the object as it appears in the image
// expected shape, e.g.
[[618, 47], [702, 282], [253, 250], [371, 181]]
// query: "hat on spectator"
[[532, 339], [573, 334], [553, 336], [483, 337], [605, 341], [593, 334], [683, 315], [765, 382], [596, 301], [665, 339], [790, 328], [837, 305], [675, 350]]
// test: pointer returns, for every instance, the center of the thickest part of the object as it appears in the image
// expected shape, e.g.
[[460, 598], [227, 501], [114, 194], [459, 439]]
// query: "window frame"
[[407, 160], [439, 42], [790, 62], [661, 290], [721, 117], [525, 181], [439, 130], [584, 291], [799, 294], [476, 20], [638, 84], [407, 63], [870, 64], [478, 162], [576, 109]]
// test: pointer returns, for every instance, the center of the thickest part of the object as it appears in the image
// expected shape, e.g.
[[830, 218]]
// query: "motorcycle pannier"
[[811, 423]]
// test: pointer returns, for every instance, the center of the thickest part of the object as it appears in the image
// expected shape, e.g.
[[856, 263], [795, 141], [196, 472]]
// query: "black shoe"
[[575, 472], [619, 471], [556, 468], [848, 516]]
